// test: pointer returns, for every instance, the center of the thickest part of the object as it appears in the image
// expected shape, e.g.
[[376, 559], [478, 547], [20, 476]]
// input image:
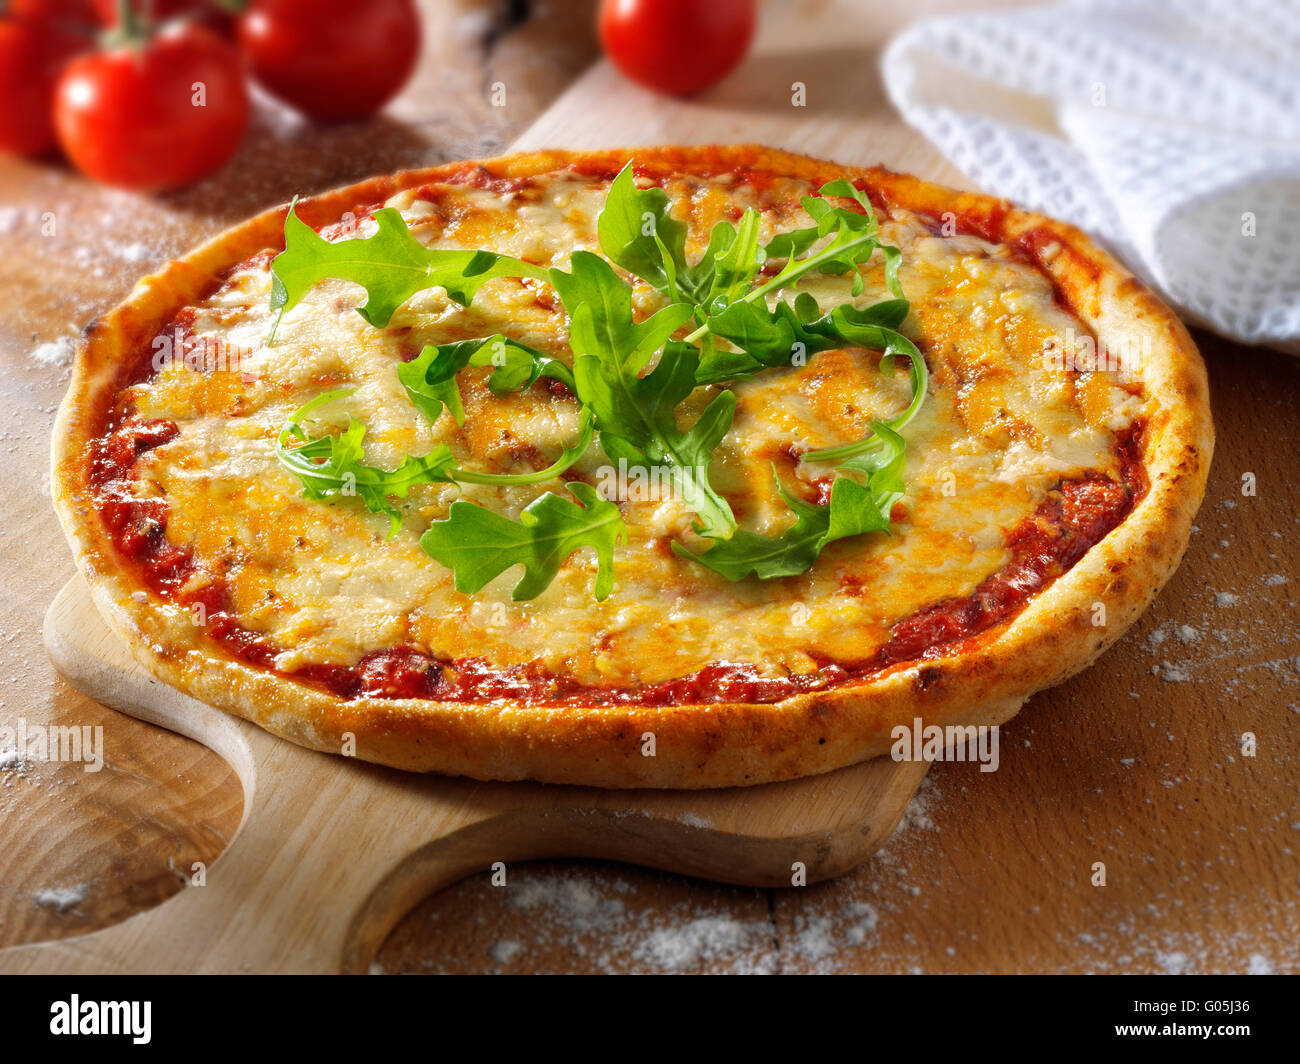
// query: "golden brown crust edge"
[[706, 745]]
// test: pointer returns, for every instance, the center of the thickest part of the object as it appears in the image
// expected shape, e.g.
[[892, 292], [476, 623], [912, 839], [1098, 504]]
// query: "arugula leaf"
[[331, 467], [853, 239], [731, 261], [853, 509], [635, 414], [852, 242], [569, 455], [430, 381], [918, 378], [392, 265], [632, 406], [637, 232], [781, 336], [479, 545], [430, 378]]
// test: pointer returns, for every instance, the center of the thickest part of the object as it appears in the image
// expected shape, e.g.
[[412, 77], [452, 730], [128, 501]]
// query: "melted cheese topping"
[[1001, 427]]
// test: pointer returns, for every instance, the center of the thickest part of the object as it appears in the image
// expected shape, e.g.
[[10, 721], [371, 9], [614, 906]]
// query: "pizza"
[[674, 467]]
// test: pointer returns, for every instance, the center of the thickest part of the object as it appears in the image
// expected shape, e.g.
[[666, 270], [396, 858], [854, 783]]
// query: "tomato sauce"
[[1047, 544]]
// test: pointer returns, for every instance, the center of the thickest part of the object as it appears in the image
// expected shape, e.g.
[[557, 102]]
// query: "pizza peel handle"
[[331, 852]]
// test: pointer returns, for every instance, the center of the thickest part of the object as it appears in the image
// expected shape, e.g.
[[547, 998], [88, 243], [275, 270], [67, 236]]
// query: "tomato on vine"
[[153, 109], [335, 60], [37, 39]]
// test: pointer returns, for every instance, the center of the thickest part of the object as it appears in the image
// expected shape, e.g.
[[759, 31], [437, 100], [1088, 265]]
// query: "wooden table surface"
[[1138, 763]]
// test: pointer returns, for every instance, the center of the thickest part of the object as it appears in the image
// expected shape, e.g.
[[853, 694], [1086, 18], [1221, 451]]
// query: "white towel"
[[1170, 129]]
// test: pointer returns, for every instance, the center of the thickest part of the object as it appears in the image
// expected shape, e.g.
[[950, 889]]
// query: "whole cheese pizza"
[[674, 467]]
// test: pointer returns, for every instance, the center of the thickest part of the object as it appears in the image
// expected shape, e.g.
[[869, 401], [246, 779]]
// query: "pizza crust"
[[697, 745]]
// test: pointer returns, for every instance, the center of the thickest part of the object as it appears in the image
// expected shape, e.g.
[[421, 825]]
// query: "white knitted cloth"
[[1168, 128]]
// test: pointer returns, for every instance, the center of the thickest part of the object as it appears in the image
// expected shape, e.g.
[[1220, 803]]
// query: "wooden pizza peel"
[[332, 852]]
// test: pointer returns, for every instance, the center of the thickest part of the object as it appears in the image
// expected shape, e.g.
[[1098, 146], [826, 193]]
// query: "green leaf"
[[636, 414], [633, 407], [637, 232], [731, 261], [788, 335], [331, 467], [569, 455], [854, 509], [479, 545], [391, 265], [852, 241], [919, 380], [430, 378]]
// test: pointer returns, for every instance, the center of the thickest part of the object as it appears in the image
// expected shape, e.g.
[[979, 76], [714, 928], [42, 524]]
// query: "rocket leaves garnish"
[[853, 509], [919, 380], [391, 265], [479, 545], [430, 381], [569, 455], [630, 378], [430, 378], [636, 414], [331, 467]]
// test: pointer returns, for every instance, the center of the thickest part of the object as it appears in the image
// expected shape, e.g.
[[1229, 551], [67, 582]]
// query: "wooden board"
[[1139, 768], [331, 852]]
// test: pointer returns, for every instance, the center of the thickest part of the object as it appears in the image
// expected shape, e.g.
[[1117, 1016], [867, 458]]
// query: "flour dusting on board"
[[61, 899], [578, 918], [56, 354]]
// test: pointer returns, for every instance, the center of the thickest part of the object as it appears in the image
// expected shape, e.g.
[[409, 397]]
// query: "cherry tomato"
[[335, 60], [67, 13], [157, 10], [156, 113], [33, 51], [678, 47]]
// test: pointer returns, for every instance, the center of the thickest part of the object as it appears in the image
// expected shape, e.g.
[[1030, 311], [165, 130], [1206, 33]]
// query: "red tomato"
[[335, 60], [157, 10], [677, 47], [65, 12], [154, 114], [33, 51]]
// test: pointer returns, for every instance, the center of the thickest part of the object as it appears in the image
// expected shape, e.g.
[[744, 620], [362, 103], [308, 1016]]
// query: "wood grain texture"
[[330, 853], [1140, 769]]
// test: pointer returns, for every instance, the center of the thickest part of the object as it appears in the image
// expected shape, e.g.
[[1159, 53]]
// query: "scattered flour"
[[136, 253], [61, 899], [505, 951], [917, 814], [56, 353], [1224, 599], [866, 918], [1174, 673], [707, 940], [1174, 963], [13, 761]]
